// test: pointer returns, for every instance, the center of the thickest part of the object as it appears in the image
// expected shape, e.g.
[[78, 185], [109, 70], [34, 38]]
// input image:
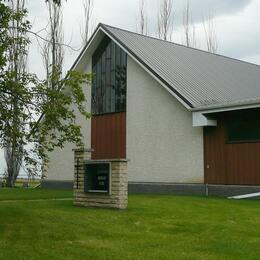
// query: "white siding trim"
[[198, 119]]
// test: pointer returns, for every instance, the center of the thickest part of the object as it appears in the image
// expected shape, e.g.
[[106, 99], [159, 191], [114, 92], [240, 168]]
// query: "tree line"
[[165, 24]]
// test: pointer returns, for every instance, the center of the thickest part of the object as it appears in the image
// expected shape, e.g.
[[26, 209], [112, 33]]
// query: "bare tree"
[[17, 65], [165, 20], [88, 11], [52, 52], [189, 27], [142, 25], [210, 34]]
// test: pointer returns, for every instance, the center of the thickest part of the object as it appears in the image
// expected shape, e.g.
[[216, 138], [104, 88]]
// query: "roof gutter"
[[227, 107]]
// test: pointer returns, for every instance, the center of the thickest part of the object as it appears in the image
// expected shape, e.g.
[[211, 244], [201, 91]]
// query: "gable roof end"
[[200, 80]]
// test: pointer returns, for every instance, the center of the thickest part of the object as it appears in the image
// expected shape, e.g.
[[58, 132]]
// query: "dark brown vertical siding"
[[108, 136], [230, 163]]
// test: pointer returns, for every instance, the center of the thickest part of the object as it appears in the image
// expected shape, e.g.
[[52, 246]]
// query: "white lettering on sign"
[[102, 178]]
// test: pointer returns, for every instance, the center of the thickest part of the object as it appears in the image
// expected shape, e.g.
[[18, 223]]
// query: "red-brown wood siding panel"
[[229, 163], [108, 136]]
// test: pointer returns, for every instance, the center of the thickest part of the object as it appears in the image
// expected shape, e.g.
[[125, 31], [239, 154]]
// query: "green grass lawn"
[[32, 194], [154, 227]]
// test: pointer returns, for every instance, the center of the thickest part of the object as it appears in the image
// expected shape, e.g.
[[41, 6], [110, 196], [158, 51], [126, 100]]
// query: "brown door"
[[214, 155], [230, 163]]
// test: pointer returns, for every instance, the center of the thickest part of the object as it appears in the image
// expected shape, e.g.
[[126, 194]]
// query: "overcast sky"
[[237, 25]]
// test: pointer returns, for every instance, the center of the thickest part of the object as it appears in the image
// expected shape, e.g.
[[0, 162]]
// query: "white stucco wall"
[[61, 165], [162, 145]]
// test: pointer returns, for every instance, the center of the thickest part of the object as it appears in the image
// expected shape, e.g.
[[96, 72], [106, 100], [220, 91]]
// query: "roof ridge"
[[181, 45]]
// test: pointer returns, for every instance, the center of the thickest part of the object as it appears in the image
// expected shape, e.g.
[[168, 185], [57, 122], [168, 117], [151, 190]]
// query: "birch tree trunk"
[[17, 66]]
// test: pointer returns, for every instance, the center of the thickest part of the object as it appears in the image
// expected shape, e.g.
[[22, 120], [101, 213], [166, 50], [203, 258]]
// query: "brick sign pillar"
[[115, 192]]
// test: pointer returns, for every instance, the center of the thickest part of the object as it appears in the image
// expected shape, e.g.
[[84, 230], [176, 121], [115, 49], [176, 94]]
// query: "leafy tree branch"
[[34, 117]]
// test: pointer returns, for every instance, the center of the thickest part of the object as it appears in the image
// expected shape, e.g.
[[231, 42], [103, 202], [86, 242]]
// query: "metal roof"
[[201, 79]]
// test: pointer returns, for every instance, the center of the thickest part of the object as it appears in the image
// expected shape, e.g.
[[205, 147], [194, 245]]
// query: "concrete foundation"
[[172, 188]]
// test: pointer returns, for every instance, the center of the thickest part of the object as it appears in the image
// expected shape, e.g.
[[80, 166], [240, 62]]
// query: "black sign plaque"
[[97, 178]]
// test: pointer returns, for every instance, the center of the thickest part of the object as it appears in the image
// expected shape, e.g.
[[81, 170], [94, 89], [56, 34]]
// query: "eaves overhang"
[[202, 116]]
